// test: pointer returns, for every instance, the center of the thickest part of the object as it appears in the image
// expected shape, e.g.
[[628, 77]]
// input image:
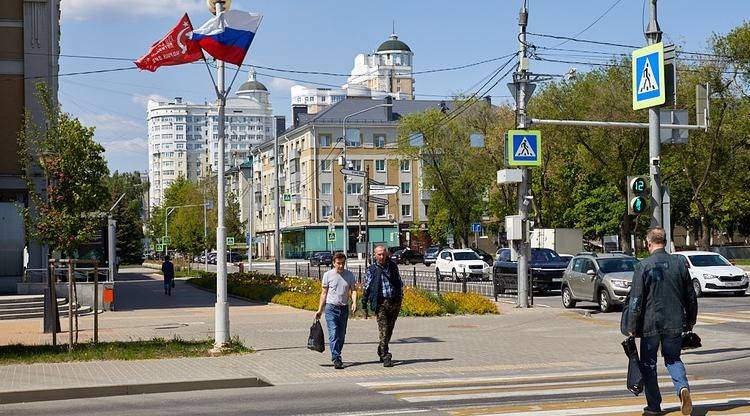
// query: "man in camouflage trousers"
[[383, 292]]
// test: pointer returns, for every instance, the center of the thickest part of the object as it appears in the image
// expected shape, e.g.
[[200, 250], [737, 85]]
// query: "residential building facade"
[[183, 138], [314, 198], [388, 70]]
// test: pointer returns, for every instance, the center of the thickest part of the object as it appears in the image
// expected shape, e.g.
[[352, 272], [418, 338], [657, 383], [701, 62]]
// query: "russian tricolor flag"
[[227, 37]]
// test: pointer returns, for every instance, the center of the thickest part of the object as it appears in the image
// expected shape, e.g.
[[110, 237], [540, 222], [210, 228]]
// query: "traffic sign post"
[[648, 76], [331, 236], [524, 148], [352, 172], [287, 198], [379, 201], [230, 241], [476, 227]]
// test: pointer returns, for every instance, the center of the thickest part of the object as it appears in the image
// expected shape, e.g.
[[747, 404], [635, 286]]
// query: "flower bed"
[[304, 293]]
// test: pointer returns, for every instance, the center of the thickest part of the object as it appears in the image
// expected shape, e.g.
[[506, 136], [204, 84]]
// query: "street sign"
[[166, 240], [352, 172], [230, 241], [648, 76], [476, 140], [387, 191], [374, 182], [673, 136], [529, 90], [331, 236], [160, 247], [507, 176], [476, 227], [287, 198], [379, 201], [524, 148], [331, 227]]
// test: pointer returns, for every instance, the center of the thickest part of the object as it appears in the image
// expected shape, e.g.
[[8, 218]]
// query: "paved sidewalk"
[[515, 342]]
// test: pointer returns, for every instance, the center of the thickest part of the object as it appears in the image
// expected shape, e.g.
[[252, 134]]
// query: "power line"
[[592, 23]]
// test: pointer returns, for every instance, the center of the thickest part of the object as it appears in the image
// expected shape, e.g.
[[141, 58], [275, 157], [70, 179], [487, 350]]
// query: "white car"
[[455, 264], [712, 273]]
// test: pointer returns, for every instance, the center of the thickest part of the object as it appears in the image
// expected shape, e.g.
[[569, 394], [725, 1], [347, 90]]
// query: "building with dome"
[[183, 138], [387, 71]]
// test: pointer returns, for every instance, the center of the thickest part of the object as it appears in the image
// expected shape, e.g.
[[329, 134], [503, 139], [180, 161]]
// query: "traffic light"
[[638, 195]]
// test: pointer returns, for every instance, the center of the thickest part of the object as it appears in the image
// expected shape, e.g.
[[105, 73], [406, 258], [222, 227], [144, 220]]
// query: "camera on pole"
[[638, 195]]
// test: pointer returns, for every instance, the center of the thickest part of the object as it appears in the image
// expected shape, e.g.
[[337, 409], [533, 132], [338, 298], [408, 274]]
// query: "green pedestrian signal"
[[637, 195]]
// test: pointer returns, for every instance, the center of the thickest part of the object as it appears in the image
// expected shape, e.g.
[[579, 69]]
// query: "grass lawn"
[[741, 262], [130, 350]]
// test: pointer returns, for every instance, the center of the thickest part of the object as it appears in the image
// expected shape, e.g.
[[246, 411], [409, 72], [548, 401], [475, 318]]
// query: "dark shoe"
[[338, 365], [686, 403], [649, 412], [387, 361]]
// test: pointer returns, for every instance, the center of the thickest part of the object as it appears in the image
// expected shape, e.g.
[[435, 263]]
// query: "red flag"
[[173, 49]]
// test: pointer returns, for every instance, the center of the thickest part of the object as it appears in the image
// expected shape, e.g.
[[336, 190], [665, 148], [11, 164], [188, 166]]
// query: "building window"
[[406, 166], [405, 188], [380, 165], [325, 211], [355, 164], [406, 210], [379, 140], [325, 140], [325, 165], [353, 188], [353, 137], [380, 211], [352, 211], [325, 188]]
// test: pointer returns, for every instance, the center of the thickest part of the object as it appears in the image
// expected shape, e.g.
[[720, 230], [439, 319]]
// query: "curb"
[[42, 395]]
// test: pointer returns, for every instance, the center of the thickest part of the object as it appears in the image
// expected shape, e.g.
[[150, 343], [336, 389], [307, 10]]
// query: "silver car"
[[601, 278]]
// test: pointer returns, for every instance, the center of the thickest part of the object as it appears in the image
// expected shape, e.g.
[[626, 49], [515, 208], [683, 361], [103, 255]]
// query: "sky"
[[326, 35]]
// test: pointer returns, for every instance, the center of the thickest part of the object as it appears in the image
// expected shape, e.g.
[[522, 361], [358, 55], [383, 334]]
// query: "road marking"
[[447, 370], [713, 318]]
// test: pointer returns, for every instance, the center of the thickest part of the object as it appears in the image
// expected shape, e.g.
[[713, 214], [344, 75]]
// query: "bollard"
[[359, 277], [463, 282], [437, 282], [320, 276], [414, 276], [308, 270], [296, 268], [531, 287], [494, 286]]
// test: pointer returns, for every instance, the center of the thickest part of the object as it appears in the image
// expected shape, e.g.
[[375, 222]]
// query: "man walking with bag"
[[662, 305], [384, 292], [338, 285]]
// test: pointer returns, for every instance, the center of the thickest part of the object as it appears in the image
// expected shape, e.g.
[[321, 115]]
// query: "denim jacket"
[[662, 299]]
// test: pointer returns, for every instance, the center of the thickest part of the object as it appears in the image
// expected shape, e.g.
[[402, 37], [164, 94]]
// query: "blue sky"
[[326, 35]]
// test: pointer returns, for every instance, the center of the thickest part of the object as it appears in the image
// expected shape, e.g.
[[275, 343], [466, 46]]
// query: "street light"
[[387, 103]]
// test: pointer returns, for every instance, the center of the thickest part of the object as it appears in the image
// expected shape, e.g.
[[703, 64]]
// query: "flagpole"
[[221, 325]]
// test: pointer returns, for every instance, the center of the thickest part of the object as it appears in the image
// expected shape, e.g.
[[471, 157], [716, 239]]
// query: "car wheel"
[[454, 275], [438, 276], [605, 302], [567, 298], [739, 293], [697, 288]]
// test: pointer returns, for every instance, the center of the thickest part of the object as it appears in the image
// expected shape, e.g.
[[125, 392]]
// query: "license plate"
[[557, 279], [733, 284]]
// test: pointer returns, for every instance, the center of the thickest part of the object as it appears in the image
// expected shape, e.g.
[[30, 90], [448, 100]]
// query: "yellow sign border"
[[662, 98], [509, 148]]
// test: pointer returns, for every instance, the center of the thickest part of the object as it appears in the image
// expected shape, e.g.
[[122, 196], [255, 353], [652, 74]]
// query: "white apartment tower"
[[183, 138], [388, 70]]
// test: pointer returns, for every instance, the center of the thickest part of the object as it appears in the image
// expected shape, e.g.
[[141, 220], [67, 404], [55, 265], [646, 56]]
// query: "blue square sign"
[[524, 148], [648, 77]]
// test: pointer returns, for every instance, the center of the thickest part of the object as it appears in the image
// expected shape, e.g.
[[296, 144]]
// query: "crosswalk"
[[715, 318], [561, 394]]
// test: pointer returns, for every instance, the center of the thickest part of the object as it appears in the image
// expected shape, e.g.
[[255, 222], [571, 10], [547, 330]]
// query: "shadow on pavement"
[[705, 410], [396, 363], [149, 294], [412, 340], [714, 351]]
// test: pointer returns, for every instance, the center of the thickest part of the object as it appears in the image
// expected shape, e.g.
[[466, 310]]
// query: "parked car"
[[407, 256], [321, 258], [232, 257], [545, 266], [566, 257], [712, 273], [486, 257], [455, 263], [602, 278], [430, 255]]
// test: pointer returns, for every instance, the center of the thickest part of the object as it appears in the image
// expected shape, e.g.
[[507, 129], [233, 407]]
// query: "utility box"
[[562, 240], [514, 228]]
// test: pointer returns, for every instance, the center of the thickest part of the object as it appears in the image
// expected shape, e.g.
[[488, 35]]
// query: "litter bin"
[[108, 299]]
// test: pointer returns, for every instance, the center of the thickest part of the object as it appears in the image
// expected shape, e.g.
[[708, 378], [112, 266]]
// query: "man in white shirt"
[[338, 286]]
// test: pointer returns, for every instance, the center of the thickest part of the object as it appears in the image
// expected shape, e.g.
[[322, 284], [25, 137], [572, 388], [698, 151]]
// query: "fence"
[[503, 285]]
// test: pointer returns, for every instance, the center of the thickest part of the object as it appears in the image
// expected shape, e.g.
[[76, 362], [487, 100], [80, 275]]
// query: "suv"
[[546, 269], [407, 256], [430, 255], [711, 272], [455, 263], [321, 257], [602, 278]]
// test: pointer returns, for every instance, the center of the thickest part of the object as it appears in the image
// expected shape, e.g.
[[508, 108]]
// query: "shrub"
[[417, 302], [470, 303]]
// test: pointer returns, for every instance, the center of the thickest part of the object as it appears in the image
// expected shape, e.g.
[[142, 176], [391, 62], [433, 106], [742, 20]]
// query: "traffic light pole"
[[653, 35], [522, 246]]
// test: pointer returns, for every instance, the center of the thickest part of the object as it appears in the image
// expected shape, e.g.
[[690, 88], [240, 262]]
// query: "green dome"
[[252, 86], [393, 44]]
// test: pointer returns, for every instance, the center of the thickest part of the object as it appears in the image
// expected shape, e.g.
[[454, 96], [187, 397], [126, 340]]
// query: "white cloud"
[[282, 84], [137, 145], [86, 9], [126, 155], [143, 99], [108, 125]]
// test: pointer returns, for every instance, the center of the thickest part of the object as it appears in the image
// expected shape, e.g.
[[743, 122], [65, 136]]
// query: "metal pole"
[[221, 325], [112, 247], [367, 216], [522, 248], [96, 301], [250, 221], [166, 231], [277, 232], [205, 236], [345, 203], [653, 35], [70, 304]]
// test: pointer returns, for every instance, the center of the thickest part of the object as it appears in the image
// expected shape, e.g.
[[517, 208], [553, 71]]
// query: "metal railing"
[[82, 274]]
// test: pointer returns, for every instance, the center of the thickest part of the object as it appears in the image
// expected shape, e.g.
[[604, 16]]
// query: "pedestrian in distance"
[[167, 268], [338, 287], [663, 305], [383, 292]]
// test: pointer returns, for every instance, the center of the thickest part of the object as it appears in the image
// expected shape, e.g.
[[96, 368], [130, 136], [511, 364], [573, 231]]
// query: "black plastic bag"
[[691, 340], [316, 340], [634, 381]]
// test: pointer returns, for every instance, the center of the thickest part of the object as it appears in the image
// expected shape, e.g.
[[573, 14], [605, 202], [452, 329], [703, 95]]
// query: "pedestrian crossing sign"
[[648, 77], [524, 148]]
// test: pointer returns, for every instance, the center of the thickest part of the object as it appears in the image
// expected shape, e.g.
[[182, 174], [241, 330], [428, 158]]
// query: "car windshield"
[[465, 255], [432, 250], [624, 264], [708, 260], [544, 256]]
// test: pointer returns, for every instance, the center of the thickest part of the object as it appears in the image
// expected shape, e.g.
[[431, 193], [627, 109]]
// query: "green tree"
[[128, 214], [76, 172]]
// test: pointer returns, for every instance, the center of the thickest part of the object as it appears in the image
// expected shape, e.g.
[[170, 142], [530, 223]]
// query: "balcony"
[[295, 177], [425, 195], [293, 154]]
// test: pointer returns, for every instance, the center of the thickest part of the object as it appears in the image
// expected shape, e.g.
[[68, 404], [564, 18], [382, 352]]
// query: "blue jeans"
[[671, 345], [336, 319]]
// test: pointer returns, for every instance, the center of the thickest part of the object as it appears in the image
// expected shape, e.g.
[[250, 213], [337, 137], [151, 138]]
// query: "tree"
[[128, 214], [76, 171]]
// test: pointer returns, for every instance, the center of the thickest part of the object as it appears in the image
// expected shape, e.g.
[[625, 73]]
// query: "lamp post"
[[345, 165]]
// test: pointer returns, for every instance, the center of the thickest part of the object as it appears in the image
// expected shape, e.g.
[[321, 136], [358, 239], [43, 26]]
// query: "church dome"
[[393, 44]]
